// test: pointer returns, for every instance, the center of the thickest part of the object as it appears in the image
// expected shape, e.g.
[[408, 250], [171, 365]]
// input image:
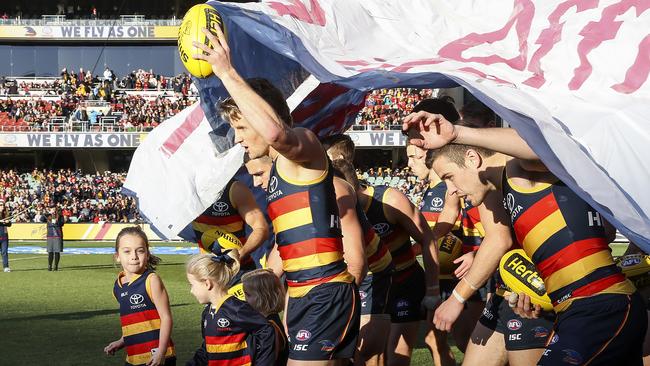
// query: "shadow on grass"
[[76, 315]]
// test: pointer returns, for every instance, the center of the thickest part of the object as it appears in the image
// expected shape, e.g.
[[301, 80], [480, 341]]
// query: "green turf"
[[91, 244], [67, 317]]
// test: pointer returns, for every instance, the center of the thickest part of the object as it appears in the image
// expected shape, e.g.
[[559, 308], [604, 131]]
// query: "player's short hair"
[[477, 114], [272, 95], [345, 170], [456, 153], [263, 291], [339, 144], [438, 106]]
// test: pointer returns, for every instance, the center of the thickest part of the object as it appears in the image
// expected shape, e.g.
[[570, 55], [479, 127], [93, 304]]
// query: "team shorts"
[[374, 291], [406, 294], [324, 324], [519, 333], [606, 329]]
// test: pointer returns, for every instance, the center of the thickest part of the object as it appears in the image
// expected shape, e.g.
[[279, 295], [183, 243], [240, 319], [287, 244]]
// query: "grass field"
[[67, 317]]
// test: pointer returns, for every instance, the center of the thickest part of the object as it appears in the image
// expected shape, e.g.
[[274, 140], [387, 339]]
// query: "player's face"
[[249, 139], [132, 254], [199, 288], [260, 170], [417, 158], [463, 182]]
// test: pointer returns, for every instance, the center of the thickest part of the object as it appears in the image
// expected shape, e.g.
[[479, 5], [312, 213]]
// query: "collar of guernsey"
[[307, 230], [566, 240], [139, 318], [396, 238]]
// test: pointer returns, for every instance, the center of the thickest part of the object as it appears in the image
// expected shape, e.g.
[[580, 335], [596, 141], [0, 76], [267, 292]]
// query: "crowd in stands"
[[130, 111], [80, 197], [401, 179], [76, 9], [385, 108], [97, 198]]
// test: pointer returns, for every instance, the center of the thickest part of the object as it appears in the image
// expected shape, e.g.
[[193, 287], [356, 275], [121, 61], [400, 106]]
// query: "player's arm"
[[353, 237], [274, 261], [495, 244], [298, 145], [401, 211], [448, 216], [253, 216], [161, 301], [432, 131]]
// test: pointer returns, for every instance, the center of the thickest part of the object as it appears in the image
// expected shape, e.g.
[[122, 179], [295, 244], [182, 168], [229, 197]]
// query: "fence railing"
[[134, 19]]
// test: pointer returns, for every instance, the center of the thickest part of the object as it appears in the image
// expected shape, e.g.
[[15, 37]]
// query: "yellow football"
[[520, 275], [218, 236], [198, 17], [449, 249]]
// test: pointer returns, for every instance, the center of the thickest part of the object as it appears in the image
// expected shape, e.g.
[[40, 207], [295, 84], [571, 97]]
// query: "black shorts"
[[373, 292], [519, 333], [606, 329], [324, 324], [447, 286], [406, 294]]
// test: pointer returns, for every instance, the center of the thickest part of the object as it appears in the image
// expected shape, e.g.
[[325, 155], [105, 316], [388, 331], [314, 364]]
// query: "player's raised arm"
[[432, 131]]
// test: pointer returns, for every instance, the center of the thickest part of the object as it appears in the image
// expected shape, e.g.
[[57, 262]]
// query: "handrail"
[[91, 22]]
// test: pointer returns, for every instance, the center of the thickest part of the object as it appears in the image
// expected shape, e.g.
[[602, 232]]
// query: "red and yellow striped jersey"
[[396, 238], [139, 318], [237, 335], [473, 232], [377, 253], [222, 214], [307, 231], [566, 240]]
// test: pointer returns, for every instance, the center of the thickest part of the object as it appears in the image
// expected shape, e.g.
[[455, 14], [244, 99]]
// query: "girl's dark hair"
[[137, 231]]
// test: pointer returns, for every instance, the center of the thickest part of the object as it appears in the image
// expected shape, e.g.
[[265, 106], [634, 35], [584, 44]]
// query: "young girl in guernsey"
[[265, 293], [233, 332], [144, 306]]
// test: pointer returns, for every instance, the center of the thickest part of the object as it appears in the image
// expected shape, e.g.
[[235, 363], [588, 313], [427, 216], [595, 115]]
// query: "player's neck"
[[217, 296]]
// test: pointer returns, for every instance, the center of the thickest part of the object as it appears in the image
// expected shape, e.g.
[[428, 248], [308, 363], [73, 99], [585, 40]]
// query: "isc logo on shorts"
[[300, 347], [514, 337]]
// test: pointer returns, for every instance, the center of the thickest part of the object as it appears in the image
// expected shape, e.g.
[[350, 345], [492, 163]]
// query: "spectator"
[[55, 222], [4, 236]]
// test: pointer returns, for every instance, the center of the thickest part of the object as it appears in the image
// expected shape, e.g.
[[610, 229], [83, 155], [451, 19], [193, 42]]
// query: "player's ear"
[[473, 159]]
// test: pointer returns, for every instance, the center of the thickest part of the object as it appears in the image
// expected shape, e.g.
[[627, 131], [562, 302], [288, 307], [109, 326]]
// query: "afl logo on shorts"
[[136, 299], [303, 335], [514, 324], [381, 228], [223, 322], [273, 184], [220, 206]]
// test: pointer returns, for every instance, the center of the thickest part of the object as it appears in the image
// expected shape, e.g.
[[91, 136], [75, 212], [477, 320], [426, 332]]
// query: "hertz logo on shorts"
[[525, 271]]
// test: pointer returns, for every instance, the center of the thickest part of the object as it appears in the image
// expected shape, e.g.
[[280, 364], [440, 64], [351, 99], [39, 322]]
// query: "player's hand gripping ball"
[[198, 17]]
